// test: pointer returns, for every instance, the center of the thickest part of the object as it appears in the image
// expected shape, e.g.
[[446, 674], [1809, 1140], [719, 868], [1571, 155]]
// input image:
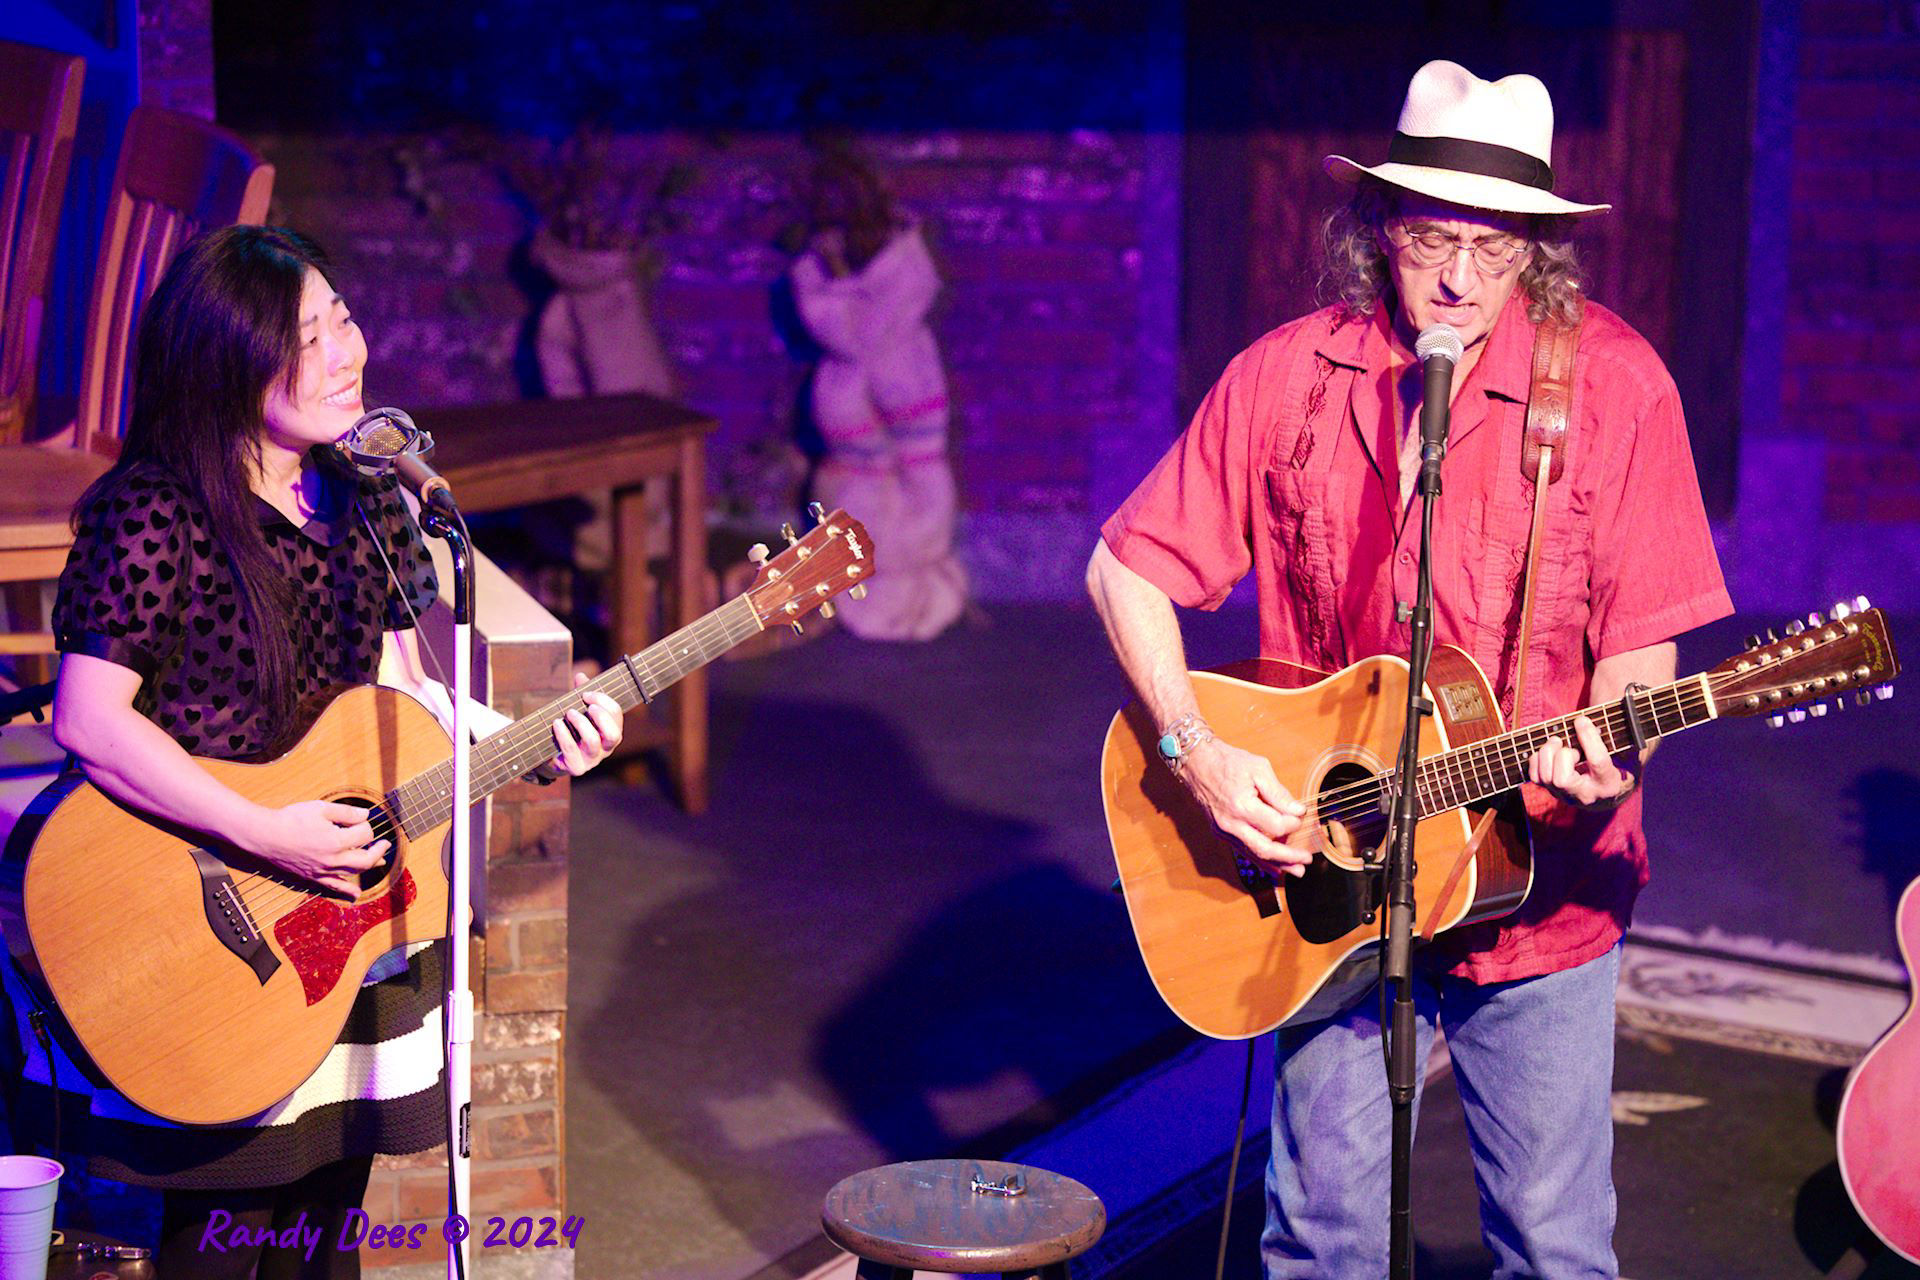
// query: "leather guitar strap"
[[1543, 459]]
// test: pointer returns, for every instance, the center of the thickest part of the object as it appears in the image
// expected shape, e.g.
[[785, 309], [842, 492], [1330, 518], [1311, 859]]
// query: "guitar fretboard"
[[423, 803], [1481, 770]]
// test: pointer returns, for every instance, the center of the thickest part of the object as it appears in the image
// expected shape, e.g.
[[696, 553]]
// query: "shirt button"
[[1406, 557]]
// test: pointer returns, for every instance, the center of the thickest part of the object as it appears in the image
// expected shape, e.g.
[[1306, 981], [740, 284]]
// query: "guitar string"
[[1688, 696], [1507, 753], [703, 640], [1481, 764], [1684, 698]]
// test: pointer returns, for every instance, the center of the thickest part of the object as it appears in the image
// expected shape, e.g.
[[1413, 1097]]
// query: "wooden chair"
[[177, 175], [39, 112]]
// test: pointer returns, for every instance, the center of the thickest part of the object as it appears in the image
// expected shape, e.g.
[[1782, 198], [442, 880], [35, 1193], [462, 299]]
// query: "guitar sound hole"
[[1352, 828], [383, 828], [1340, 891]]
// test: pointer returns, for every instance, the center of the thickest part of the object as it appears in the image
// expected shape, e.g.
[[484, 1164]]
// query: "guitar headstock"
[[835, 555], [1789, 677]]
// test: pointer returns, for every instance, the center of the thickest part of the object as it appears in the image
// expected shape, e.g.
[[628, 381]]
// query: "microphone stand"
[[443, 520], [1396, 965]]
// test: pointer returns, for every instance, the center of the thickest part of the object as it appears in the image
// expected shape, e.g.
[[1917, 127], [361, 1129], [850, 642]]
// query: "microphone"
[[386, 440], [1439, 348]]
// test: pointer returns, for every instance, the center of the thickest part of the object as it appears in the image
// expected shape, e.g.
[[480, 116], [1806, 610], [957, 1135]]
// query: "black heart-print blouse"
[[146, 587]]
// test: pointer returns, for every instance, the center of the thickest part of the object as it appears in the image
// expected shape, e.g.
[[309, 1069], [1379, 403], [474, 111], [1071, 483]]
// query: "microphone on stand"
[[1439, 348], [386, 440]]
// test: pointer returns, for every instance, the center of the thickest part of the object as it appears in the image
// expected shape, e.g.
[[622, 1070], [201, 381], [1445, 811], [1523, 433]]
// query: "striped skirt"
[[378, 1091]]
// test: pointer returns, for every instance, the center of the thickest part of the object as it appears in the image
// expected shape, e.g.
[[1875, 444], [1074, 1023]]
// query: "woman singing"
[[222, 572]]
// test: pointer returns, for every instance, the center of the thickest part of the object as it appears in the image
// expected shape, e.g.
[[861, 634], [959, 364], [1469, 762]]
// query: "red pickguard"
[[1875, 1130], [318, 936]]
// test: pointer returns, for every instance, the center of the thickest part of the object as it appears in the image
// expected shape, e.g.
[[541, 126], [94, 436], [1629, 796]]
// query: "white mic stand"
[[447, 525]]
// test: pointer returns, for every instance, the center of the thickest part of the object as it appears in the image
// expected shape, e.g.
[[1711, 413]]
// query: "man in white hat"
[[1299, 469]]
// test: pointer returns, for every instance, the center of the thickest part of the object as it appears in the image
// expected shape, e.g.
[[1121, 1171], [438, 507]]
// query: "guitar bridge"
[[227, 913]]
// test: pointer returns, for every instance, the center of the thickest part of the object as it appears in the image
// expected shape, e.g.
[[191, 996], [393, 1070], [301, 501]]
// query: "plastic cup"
[[28, 1187]]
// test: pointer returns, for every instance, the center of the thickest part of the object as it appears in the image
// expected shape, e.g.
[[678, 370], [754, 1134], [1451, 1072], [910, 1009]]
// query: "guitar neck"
[[425, 802], [1482, 770]]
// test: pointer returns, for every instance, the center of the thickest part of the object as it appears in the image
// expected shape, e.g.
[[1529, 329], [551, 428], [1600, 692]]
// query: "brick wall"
[[176, 55], [1830, 494], [1040, 236]]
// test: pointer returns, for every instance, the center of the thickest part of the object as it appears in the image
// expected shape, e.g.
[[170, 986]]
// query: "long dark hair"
[[222, 327]]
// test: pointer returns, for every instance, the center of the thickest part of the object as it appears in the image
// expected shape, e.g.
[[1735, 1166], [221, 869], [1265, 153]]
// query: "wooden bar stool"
[[966, 1216]]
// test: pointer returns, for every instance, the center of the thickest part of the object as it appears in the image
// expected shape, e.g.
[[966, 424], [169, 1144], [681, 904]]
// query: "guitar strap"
[[1543, 460]]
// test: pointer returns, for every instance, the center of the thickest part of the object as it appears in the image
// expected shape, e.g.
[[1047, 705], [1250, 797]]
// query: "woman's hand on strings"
[[318, 840], [587, 735]]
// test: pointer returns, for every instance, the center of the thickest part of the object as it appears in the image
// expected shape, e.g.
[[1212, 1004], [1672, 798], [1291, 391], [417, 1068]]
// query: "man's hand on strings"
[[1583, 775], [1245, 799]]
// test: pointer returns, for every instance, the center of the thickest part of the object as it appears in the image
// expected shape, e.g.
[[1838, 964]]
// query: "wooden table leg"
[[690, 601], [630, 584]]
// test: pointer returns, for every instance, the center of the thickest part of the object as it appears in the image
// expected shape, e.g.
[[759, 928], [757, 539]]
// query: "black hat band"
[[1464, 156]]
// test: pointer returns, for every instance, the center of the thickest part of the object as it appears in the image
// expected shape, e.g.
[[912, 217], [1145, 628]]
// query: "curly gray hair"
[[1354, 271]]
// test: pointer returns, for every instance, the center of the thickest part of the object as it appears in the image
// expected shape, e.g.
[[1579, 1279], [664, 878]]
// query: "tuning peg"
[[786, 531], [758, 554], [1771, 637], [1816, 620], [858, 591], [1860, 604], [826, 609], [1840, 703], [1776, 721], [1883, 691], [1841, 610], [1817, 709], [1796, 714], [1795, 627], [1863, 697], [817, 511], [1753, 642], [797, 628]]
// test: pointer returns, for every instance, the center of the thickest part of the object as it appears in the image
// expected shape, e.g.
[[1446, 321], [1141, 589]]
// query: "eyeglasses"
[[1493, 255]]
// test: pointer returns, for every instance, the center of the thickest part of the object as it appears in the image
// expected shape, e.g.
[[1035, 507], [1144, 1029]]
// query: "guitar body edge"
[[115, 923], [1234, 955], [1874, 1129]]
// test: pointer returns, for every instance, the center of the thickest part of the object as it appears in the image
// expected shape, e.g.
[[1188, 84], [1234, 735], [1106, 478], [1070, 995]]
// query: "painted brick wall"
[[1039, 234], [176, 55], [1830, 494]]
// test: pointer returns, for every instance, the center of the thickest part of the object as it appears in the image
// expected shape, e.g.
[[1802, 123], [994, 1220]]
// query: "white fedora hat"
[[1468, 141]]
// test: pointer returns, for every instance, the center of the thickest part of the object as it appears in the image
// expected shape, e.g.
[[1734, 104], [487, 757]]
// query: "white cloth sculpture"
[[880, 400]]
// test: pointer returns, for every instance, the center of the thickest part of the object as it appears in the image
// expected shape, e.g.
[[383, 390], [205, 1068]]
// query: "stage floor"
[[893, 938]]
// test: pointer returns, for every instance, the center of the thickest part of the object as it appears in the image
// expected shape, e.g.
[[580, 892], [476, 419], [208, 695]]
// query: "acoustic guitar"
[[1236, 951], [205, 984], [1875, 1130]]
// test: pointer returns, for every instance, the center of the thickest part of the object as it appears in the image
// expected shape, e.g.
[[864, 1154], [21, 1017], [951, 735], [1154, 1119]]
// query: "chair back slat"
[[177, 175], [13, 197], [39, 113]]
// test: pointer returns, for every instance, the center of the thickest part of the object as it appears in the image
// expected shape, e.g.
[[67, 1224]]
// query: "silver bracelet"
[[1178, 740]]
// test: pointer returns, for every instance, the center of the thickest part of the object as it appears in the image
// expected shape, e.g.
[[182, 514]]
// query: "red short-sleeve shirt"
[[1290, 470]]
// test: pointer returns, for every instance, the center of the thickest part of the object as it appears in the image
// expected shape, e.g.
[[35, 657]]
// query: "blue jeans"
[[1534, 1063]]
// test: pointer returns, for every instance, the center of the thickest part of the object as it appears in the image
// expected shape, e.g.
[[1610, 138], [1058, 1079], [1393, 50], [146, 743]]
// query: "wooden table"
[[526, 451]]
